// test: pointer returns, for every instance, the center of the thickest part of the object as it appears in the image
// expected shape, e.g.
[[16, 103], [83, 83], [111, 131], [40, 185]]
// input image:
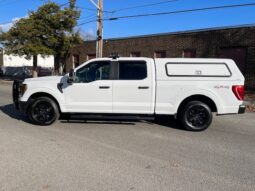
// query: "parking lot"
[[118, 156]]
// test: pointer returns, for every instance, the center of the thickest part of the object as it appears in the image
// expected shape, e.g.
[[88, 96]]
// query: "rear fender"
[[215, 98]]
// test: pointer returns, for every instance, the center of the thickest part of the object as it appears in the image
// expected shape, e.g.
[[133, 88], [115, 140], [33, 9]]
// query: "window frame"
[[135, 54], [192, 52], [111, 75], [161, 52], [212, 76], [117, 69], [90, 55]]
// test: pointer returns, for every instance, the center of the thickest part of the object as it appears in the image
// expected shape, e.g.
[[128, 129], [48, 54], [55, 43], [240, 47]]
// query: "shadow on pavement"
[[13, 113], [168, 121]]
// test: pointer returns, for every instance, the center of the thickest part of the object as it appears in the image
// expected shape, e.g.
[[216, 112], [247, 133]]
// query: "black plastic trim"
[[16, 92], [59, 86], [241, 109], [112, 116]]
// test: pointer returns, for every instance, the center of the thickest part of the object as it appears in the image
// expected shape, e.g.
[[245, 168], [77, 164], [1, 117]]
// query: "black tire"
[[195, 116], [43, 111]]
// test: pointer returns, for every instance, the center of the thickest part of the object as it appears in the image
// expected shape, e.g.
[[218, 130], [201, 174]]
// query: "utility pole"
[[99, 42]]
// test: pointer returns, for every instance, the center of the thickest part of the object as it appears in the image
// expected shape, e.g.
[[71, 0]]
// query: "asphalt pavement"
[[100, 156]]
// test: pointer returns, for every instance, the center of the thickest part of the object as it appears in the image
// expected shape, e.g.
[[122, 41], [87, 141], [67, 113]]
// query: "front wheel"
[[43, 111], [195, 116]]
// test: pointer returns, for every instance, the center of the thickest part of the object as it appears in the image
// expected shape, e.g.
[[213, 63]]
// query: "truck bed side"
[[172, 90]]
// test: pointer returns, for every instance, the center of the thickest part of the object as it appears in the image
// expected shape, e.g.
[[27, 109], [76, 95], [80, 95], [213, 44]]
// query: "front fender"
[[54, 93]]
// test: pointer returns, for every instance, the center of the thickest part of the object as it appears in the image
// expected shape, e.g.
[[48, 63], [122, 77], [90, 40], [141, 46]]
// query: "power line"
[[3, 3], [91, 16], [123, 9], [64, 4], [91, 9], [11, 21], [88, 9], [91, 21], [172, 12], [181, 11], [142, 6]]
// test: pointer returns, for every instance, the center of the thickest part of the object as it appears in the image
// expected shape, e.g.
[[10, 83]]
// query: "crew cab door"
[[91, 91], [134, 88]]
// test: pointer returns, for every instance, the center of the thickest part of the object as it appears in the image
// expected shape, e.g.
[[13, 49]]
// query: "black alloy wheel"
[[43, 111], [195, 116]]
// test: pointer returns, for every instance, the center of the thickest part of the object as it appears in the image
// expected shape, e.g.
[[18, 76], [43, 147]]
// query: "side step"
[[121, 117]]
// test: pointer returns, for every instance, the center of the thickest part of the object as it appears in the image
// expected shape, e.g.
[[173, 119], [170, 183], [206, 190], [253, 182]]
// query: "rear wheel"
[[43, 111], [195, 116]]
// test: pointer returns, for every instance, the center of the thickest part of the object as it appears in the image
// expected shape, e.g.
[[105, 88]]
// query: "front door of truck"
[[91, 91]]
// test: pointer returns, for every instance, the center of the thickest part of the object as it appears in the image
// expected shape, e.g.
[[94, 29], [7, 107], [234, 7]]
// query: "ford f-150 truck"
[[136, 88]]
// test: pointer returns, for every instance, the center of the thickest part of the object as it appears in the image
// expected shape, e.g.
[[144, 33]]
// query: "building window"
[[135, 54], [160, 54], [114, 54], [189, 53], [76, 60], [91, 56]]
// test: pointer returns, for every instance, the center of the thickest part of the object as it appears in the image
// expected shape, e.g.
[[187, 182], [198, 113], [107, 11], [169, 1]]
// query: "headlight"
[[23, 88]]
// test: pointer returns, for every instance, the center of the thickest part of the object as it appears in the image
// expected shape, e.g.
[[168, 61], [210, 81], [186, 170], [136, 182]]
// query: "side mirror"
[[70, 79]]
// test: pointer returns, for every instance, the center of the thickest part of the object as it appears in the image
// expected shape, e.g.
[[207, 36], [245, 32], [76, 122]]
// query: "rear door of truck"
[[134, 88]]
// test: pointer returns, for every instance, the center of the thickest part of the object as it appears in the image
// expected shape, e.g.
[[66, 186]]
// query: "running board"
[[111, 117]]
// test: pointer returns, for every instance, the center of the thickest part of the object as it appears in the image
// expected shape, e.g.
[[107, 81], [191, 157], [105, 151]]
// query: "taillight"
[[238, 91]]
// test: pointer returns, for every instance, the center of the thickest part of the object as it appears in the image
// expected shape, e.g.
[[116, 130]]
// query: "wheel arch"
[[43, 94], [198, 97]]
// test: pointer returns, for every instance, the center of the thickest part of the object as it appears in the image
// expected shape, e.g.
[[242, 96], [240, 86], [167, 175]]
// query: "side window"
[[132, 70], [93, 71]]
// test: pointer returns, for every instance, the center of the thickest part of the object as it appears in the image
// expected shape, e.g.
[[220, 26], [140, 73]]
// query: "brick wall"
[[207, 44]]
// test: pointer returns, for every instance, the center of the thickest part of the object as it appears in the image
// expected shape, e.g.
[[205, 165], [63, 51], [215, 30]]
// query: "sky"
[[11, 10]]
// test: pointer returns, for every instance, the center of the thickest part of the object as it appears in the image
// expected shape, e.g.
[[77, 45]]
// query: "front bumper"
[[241, 109], [23, 107], [19, 105]]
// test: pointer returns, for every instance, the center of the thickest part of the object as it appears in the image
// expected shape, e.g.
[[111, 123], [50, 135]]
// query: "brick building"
[[237, 42]]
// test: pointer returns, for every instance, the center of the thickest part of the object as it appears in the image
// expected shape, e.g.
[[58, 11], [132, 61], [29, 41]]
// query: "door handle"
[[143, 87], [104, 87]]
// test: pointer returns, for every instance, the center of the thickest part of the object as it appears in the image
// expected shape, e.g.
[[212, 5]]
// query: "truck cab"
[[121, 85]]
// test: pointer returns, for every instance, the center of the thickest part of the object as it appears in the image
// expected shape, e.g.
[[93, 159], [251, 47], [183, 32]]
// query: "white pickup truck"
[[136, 88]]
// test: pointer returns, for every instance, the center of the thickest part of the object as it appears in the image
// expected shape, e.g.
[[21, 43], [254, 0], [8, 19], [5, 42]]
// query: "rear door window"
[[132, 70]]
